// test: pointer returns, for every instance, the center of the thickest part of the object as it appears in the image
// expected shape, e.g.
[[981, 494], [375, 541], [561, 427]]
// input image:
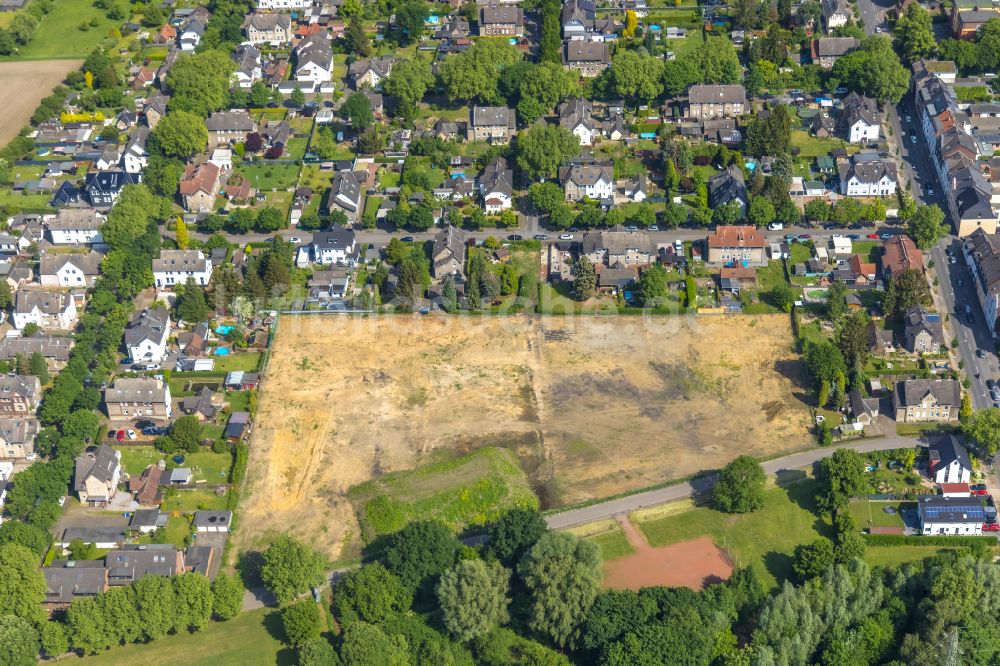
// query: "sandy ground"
[[592, 406], [23, 85], [695, 563]]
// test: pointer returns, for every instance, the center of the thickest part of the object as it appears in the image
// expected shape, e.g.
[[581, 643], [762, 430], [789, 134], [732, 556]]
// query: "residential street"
[[684, 490]]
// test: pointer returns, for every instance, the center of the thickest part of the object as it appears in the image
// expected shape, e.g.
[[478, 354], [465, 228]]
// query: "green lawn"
[[206, 465], [23, 201], [765, 539], [872, 514], [186, 501], [917, 429], [613, 544], [869, 249], [239, 401], [891, 555], [246, 361], [59, 34], [296, 148], [811, 146], [251, 638], [267, 176]]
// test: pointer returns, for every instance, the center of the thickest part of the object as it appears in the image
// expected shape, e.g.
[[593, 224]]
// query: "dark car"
[[111, 434], [990, 384], [980, 353], [407, 239], [540, 237], [854, 237], [142, 424], [978, 488], [515, 237], [805, 236], [969, 319], [829, 226]]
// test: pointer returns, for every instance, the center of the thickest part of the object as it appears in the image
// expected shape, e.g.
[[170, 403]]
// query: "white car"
[[294, 239], [913, 138], [566, 237], [131, 434], [776, 226]]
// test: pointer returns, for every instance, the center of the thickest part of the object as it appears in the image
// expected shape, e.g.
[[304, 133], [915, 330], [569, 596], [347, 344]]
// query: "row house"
[[273, 29], [493, 124], [48, 310], [618, 248], [868, 175], [138, 397], [501, 21], [226, 127], [982, 254], [716, 101]]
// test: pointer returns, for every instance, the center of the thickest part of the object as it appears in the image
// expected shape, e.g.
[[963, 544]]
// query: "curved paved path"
[[793, 461]]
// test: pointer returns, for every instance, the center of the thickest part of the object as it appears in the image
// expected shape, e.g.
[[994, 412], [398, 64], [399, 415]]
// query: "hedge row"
[[921, 540]]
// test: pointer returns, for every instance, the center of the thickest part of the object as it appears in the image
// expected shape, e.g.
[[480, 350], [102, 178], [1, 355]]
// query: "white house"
[[69, 270], [284, 4], [45, 309], [177, 266], [146, 336], [949, 462], [190, 34], [496, 185], [76, 226], [314, 57], [947, 515], [591, 181], [336, 246], [577, 115], [868, 176], [862, 119], [135, 157]]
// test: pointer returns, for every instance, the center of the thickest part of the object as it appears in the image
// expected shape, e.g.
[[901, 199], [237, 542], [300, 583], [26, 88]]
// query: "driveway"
[[701, 485]]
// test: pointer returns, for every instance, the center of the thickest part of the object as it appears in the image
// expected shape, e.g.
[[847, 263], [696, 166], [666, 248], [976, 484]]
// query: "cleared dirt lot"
[[23, 85], [592, 406]]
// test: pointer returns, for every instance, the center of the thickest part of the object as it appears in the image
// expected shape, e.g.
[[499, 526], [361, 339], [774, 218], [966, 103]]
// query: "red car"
[[979, 489], [991, 527], [120, 435], [872, 236]]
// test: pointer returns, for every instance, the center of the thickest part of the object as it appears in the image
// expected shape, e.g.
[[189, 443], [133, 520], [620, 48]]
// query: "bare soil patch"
[[591, 406], [22, 87]]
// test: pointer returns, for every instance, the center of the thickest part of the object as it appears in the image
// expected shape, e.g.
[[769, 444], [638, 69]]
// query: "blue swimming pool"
[[223, 329], [222, 351]]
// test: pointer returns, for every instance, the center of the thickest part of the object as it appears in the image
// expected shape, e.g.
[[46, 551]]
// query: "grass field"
[[246, 361], [872, 514], [267, 176], [891, 555], [613, 544], [199, 499], [23, 85], [591, 406], [59, 35], [252, 638], [765, 540], [206, 465], [469, 490], [811, 146]]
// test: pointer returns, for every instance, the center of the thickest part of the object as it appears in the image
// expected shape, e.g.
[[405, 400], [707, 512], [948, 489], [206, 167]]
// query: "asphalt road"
[[774, 467], [872, 15]]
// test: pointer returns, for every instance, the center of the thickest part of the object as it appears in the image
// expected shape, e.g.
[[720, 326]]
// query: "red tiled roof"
[[737, 236], [201, 178], [955, 488]]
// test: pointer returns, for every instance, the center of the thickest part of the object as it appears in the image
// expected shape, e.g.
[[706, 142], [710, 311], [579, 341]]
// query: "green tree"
[[913, 34], [927, 226], [474, 75], [297, 98], [22, 587], [356, 39], [179, 134], [6, 295], [367, 645], [836, 302], [563, 575], [965, 411], [988, 46], [473, 598], [761, 211], [679, 74], [30, 536], [227, 596], [300, 622], [906, 289], [193, 593], [546, 197], [513, 533], [411, 20], [874, 69], [716, 59], [584, 279], [841, 477], [508, 280], [318, 652], [154, 603], [408, 82], [191, 305], [814, 559], [420, 552], [54, 640], [370, 594], [852, 338], [983, 428], [770, 133], [358, 109], [19, 643], [199, 83], [613, 614], [39, 368], [290, 568], [740, 488], [636, 75], [539, 150], [653, 286]]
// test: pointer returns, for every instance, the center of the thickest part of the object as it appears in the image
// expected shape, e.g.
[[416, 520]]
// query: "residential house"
[[199, 187], [588, 181], [836, 13], [618, 248], [167, 36], [103, 187], [274, 29], [110, 155], [921, 400], [67, 194], [617, 279], [69, 580], [968, 16], [456, 28], [17, 437], [226, 127], [284, 4], [139, 397], [828, 50], [589, 59], [154, 109], [941, 516], [880, 340], [135, 157], [731, 244], [146, 336], [190, 34], [52, 348], [178, 266], [496, 185], [982, 255], [370, 72], [716, 101], [75, 226], [577, 19], [823, 126], [314, 61], [448, 254], [248, 65], [865, 410], [237, 426], [334, 247], [735, 278], [863, 272], [636, 189], [727, 186], [899, 254], [922, 331], [868, 175], [861, 119], [145, 521], [69, 270], [276, 133], [202, 404], [577, 116], [96, 476], [134, 562], [501, 21], [212, 521], [146, 486], [19, 395], [46, 309], [493, 124], [948, 461], [345, 194]]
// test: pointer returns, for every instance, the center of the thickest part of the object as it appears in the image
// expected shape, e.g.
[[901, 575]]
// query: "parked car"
[[980, 353], [959, 282], [654, 227], [111, 434], [872, 236], [978, 489], [120, 435], [990, 384], [144, 423], [991, 527], [804, 236], [515, 237], [908, 118], [930, 191], [540, 237], [969, 319], [295, 239], [131, 434], [776, 226], [631, 228], [829, 226], [886, 236], [565, 236], [407, 239], [913, 138], [854, 237]]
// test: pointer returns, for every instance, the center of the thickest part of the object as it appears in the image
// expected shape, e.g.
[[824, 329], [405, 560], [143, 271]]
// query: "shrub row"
[[921, 540]]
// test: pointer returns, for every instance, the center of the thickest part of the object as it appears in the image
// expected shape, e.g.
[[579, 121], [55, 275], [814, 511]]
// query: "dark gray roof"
[[717, 94], [149, 325], [858, 107], [835, 46], [493, 116], [918, 319], [213, 518], [148, 518], [583, 52], [861, 405], [133, 562], [727, 186], [48, 302], [101, 465], [335, 237], [957, 510], [576, 112], [381, 66], [586, 174], [26, 386], [501, 15], [496, 177], [48, 346], [136, 389], [230, 121], [315, 49], [200, 403], [18, 430], [65, 580], [948, 450], [945, 391], [89, 264]]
